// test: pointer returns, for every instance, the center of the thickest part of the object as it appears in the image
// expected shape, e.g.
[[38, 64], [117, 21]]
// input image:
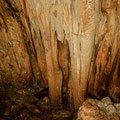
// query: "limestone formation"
[[70, 46]]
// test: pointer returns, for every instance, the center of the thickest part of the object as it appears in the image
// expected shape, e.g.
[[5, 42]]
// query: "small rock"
[[46, 99], [61, 114], [117, 105], [114, 116], [37, 110], [107, 101], [110, 109], [21, 92], [7, 113], [100, 105], [13, 108], [43, 103], [42, 107], [33, 108]]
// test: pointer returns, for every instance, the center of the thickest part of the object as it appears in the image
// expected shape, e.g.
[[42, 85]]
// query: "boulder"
[[93, 109]]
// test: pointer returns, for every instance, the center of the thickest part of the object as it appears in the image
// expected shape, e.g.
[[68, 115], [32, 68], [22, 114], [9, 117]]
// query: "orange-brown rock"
[[72, 47]]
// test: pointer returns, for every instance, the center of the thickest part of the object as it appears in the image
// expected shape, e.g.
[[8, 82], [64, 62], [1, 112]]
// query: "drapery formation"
[[70, 46]]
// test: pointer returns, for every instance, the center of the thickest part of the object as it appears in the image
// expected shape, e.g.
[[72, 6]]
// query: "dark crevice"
[[118, 74], [69, 72], [31, 52], [6, 28], [33, 44], [34, 48], [63, 84], [100, 68], [29, 25], [92, 96], [0, 26], [41, 40], [60, 66], [27, 46], [108, 55], [11, 9], [65, 81], [110, 76], [102, 93], [35, 53], [94, 67], [43, 93], [42, 47], [95, 51]]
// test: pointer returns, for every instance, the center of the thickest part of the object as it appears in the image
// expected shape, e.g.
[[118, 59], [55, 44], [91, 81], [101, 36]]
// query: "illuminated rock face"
[[71, 46], [93, 109]]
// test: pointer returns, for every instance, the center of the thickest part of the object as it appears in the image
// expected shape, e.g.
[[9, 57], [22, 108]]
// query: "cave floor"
[[29, 104]]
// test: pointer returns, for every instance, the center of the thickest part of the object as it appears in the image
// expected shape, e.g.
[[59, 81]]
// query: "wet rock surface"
[[26, 104], [93, 109]]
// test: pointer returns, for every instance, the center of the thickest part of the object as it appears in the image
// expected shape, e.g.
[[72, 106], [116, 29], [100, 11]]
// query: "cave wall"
[[71, 46]]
